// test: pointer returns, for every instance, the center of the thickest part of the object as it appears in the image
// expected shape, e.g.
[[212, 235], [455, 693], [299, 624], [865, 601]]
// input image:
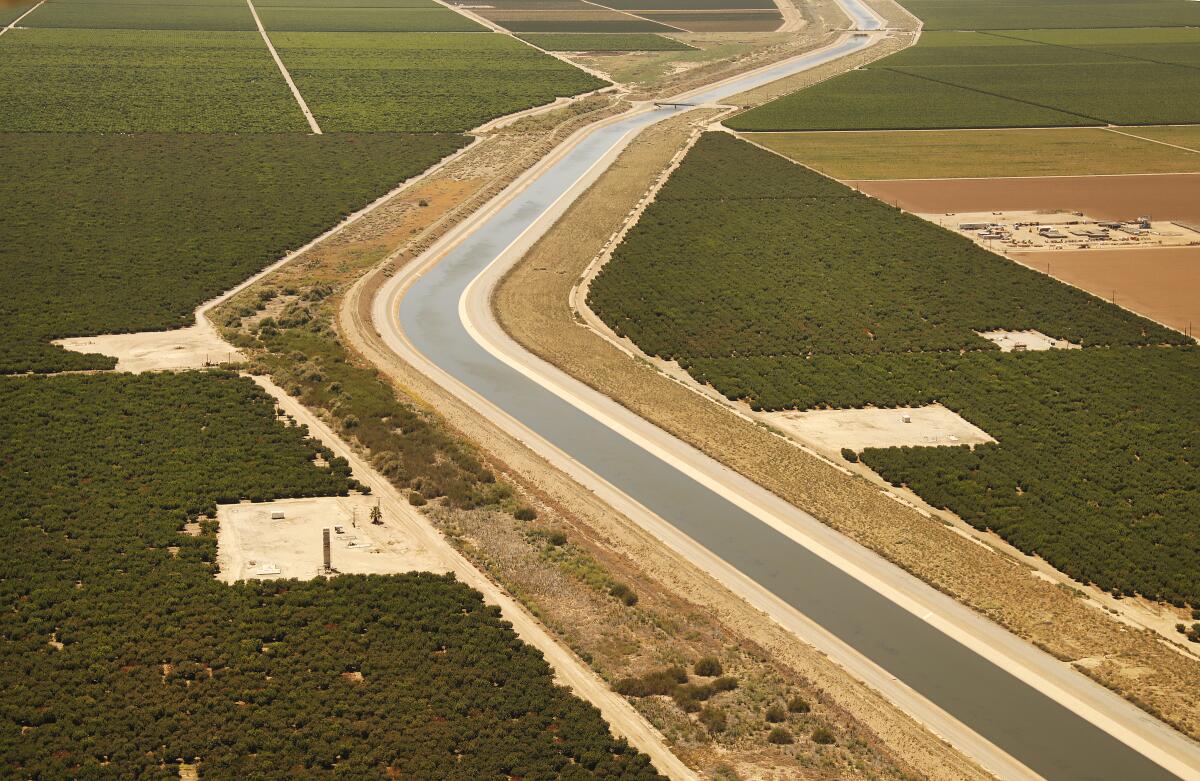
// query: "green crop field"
[[882, 99], [9, 13], [1033, 14], [691, 5], [141, 16], [124, 657], [924, 154], [127, 81], [615, 42], [1011, 79], [433, 18], [116, 233], [422, 82], [791, 291]]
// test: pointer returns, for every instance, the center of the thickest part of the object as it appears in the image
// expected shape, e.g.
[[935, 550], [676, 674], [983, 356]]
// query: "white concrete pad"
[[1008, 341], [832, 430], [251, 545]]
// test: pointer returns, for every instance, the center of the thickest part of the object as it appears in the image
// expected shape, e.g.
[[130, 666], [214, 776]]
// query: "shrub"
[[624, 593], [656, 682], [850, 455], [725, 683], [776, 714], [714, 719], [708, 667], [823, 737], [557, 538], [798, 705], [416, 499], [525, 514], [780, 737]]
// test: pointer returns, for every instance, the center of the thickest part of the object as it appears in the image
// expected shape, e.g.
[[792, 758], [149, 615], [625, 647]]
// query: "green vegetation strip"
[[1032, 14], [590, 42], [127, 81], [786, 289], [141, 16], [116, 233], [434, 18], [924, 154], [1012, 79], [125, 657], [372, 82]]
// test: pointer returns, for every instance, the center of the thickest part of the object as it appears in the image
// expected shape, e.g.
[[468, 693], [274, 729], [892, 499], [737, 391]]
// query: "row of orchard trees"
[[123, 658]]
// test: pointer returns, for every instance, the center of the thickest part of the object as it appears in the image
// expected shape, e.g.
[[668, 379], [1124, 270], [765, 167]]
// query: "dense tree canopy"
[[124, 656]]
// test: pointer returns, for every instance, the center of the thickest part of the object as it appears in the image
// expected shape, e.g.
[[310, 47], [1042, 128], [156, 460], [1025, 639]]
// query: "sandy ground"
[[251, 544], [193, 347], [1161, 284], [1159, 196], [830, 430], [1010, 341]]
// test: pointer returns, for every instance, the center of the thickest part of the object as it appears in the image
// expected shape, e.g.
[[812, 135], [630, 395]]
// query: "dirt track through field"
[[1161, 196], [308, 115], [1162, 284], [14, 22]]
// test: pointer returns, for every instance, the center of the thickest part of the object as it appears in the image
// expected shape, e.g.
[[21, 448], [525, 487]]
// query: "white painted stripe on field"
[[312, 121], [13, 23]]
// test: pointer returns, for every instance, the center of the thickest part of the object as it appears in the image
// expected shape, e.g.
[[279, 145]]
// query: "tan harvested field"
[[1187, 136], [1161, 196], [1162, 283], [948, 154], [1069, 622]]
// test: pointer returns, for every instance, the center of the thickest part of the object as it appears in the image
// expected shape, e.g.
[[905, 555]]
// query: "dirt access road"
[[1083, 697]]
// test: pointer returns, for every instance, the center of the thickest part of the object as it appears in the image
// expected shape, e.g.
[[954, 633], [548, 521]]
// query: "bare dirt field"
[[1162, 284], [185, 348], [1160, 196], [252, 544], [830, 430]]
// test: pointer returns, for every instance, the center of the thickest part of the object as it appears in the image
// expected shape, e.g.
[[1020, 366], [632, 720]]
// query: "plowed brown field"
[[1162, 284], [1161, 196]]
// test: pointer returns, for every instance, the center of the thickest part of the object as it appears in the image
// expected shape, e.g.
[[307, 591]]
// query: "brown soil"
[[1161, 196], [1162, 284], [532, 305]]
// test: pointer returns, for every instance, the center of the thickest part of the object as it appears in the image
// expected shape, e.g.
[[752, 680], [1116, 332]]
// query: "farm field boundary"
[[308, 115], [21, 15]]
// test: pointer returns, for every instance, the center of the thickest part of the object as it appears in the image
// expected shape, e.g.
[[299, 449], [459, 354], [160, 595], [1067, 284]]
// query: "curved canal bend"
[[1035, 730]]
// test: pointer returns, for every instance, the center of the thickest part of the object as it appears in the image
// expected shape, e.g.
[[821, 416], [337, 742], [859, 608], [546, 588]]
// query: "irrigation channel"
[[1062, 728]]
